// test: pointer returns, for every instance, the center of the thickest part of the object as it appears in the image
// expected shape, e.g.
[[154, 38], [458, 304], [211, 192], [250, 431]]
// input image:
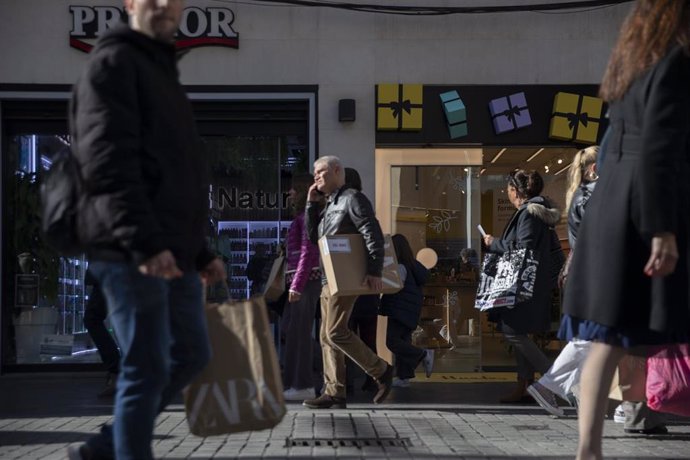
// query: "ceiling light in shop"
[[561, 170], [482, 171], [546, 168], [534, 155], [560, 161], [498, 155]]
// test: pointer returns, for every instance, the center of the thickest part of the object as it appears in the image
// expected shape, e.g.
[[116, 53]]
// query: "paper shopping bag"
[[629, 380], [241, 388], [275, 285]]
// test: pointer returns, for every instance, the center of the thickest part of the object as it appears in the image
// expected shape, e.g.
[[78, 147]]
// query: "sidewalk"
[[41, 414]]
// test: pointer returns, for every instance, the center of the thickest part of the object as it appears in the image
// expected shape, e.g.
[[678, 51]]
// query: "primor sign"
[[199, 26]]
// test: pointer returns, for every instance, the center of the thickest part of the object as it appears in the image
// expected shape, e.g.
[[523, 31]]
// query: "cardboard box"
[[344, 260]]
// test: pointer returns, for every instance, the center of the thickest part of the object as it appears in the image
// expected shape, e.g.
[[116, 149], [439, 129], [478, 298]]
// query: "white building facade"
[[273, 77]]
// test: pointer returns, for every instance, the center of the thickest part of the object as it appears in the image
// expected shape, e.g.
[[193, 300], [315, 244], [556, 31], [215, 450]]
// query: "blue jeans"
[[161, 328]]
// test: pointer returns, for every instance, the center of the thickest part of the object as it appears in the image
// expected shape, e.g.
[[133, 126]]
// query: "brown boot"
[[518, 393]]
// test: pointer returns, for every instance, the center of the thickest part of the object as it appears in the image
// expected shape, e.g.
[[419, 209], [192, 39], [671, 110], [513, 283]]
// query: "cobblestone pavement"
[[38, 420]]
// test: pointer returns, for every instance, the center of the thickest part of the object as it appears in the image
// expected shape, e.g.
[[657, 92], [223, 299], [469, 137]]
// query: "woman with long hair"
[[628, 283], [563, 377], [531, 227], [303, 278]]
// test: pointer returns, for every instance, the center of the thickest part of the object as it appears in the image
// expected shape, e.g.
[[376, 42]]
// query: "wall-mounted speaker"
[[346, 110]]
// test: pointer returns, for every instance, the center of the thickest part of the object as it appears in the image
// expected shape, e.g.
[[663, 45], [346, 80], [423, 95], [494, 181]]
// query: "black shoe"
[[660, 429], [110, 386], [369, 384], [385, 383], [79, 452], [325, 402]]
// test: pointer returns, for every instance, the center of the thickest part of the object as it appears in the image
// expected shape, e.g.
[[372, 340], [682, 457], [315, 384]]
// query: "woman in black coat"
[[627, 287], [531, 227], [403, 309]]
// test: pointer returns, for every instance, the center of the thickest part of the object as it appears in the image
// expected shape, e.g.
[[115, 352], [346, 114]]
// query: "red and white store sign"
[[199, 27]]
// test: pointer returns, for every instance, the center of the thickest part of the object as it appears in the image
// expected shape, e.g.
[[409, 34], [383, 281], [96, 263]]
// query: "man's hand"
[[313, 194], [374, 282], [294, 296], [213, 272], [664, 255], [488, 239], [162, 265]]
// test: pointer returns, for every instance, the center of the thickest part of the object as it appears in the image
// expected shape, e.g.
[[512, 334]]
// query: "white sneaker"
[[428, 362], [401, 383], [619, 414], [293, 394]]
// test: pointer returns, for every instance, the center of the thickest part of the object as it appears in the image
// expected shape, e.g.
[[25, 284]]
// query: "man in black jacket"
[[143, 219], [347, 211]]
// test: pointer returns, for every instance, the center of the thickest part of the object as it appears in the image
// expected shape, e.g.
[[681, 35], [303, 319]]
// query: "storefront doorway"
[[436, 198]]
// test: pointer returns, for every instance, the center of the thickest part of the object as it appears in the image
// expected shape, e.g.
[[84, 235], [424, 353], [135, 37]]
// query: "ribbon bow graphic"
[[398, 106], [511, 113], [575, 118]]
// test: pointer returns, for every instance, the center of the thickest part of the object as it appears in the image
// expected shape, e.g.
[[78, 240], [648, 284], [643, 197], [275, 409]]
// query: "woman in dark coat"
[[403, 309], [627, 286], [531, 227]]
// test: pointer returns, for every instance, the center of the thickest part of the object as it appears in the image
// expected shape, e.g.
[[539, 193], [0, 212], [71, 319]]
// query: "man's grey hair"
[[332, 162]]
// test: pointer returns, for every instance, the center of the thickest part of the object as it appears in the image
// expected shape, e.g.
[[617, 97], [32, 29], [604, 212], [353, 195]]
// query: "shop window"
[[44, 295]]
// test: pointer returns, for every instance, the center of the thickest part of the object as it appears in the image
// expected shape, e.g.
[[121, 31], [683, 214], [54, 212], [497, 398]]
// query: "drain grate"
[[348, 442], [530, 427]]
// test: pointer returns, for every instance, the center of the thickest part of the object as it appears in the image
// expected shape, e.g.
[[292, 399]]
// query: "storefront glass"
[[439, 207], [45, 295]]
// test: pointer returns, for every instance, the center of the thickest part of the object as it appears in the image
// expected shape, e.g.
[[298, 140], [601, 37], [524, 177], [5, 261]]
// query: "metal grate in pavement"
[[348, 442], [530, 427]]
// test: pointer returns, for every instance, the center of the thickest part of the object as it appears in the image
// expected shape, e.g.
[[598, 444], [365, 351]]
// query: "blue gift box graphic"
[[456, 114], [509, 113]]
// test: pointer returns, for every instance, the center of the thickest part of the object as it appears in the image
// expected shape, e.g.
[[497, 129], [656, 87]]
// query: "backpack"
[[61, 200]]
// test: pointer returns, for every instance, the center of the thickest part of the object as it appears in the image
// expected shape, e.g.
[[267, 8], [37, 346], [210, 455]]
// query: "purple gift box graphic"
[[509, 113]]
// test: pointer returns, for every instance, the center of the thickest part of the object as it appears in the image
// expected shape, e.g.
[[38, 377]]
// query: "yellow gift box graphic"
[[399, 107], [575, 118]]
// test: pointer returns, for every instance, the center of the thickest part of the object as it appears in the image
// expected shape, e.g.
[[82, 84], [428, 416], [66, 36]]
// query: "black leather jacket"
[[348, 211], [577, 210]]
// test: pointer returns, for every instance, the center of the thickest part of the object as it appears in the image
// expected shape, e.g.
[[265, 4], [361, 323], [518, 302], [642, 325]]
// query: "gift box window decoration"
[[575, 118], [399, 107], [509, 113], [456, 114]]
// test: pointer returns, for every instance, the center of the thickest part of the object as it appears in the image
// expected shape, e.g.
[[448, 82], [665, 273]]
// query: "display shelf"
[[244, 242]]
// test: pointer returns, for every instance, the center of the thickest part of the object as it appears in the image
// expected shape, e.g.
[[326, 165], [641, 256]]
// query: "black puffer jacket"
[[406, 304], [136, 141], [577, 210], [531, 227], [348, 211]]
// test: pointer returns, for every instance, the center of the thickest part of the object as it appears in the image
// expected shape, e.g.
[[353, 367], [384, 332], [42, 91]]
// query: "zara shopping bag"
[[241, 388], [668, 380], [506, 279]]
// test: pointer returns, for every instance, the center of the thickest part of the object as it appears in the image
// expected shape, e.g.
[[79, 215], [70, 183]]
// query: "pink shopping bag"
[[668, 380]]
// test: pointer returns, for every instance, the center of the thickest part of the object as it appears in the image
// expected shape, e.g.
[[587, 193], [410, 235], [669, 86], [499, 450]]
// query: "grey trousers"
[[529, 357], [640, 417]]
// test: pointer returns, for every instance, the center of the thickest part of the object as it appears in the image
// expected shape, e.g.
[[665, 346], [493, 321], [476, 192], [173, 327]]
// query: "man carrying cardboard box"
[[347, 211]]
